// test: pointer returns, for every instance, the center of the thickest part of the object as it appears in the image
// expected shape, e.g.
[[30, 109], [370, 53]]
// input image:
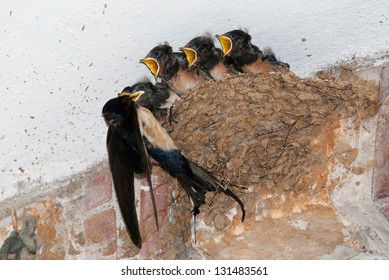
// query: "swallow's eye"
[[141, 87], [197, 45], [233, 36], [157, 53]]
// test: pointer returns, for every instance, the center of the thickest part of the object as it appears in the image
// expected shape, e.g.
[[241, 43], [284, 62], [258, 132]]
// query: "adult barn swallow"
[[130, 128], [202, 54], [158, 98], [127, 155], [172, 68], [237, 45]]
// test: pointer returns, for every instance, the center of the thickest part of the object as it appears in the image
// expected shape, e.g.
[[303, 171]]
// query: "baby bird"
[[158, 98], [202, 55], [237, 45], [172, 68]]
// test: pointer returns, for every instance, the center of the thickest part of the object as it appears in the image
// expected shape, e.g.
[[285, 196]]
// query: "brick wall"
[[79, 218]]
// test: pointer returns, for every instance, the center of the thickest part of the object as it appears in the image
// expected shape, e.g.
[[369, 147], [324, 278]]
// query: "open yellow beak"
[[226, 43], [133, 96], [152, 64], [191, 55]]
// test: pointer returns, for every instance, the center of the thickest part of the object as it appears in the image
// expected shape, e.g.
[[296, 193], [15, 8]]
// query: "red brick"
[[150, 235], [106, 253], [149, 246], [381, 174], [100, 235], [162, 196], [144, 183], [98, 191]]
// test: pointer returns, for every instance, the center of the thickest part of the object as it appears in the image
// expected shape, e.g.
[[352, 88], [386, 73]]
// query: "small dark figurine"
[[20, 243]]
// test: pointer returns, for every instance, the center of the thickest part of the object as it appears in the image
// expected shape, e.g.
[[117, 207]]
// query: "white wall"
[[62, 60]]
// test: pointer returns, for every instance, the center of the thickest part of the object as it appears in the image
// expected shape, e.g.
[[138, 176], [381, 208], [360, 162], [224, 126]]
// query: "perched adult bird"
[[172, 68], [237, 45], [135, 136], [127, 155], [158, 98], [202, 55]]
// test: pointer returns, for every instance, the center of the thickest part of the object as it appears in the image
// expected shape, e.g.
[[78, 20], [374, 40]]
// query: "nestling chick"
[[172, 68], [237, 45], [158, 98], [202, 55]]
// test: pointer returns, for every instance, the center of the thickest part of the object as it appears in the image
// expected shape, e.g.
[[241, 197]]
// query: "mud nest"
[[255, 129], [265, 133]]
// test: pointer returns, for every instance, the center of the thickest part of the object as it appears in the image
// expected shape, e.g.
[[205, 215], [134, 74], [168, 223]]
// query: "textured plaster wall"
[[61, 61]]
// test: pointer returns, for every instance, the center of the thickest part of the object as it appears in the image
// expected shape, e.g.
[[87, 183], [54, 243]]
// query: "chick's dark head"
[[157, 59], [198, 50], [145, 99], [234, 40], [145, 86]]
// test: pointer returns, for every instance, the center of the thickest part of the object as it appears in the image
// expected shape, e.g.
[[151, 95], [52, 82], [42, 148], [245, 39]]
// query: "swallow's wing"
[[143, 155], [122, 162]]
